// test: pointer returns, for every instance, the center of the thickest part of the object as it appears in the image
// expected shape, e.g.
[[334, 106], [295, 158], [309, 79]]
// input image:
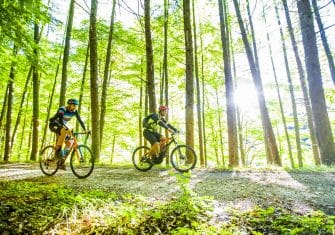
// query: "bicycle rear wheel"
[[141, 159], [82, 162], [48, 161], [183, 158]]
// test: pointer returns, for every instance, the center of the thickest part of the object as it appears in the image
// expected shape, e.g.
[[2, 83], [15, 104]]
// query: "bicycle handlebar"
[[77, 133]]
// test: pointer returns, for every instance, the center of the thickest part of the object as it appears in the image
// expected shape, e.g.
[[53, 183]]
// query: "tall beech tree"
[[94, 81], [36, 91], [150, 58], [289, 146], [66, 53], [303, 85], [292, 94], [280, 100], [324, 40], [19, 114], [231, 110], [322, 125], [197, 82], [106, 73], [269, 137], [189, 74], [10, 100], [165, 62], [3, 109]]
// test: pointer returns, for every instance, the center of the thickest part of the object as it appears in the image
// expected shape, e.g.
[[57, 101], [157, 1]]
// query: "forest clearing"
[[113, 199]]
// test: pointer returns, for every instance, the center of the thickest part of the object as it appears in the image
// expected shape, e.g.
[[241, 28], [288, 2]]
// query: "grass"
[[33, 207]]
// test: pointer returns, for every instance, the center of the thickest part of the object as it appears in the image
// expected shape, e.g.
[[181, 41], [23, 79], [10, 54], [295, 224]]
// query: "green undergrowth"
[[29, 207]]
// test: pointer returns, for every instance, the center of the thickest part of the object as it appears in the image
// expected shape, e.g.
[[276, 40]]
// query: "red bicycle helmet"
[[163, 107]]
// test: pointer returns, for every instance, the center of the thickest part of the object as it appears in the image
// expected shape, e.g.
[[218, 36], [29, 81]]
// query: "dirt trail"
[[298, 192]]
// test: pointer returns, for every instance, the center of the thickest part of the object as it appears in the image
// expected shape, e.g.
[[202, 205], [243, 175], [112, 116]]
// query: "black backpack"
[[54, 124], [145, 121]]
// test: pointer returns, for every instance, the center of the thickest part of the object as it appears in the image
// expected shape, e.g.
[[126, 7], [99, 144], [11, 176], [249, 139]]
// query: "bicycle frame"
[[75, 144], [167, 145]]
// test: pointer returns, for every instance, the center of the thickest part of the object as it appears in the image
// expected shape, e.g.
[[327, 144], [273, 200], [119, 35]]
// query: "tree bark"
[[4, 104], [165, 64], [36, 91], [197, 82], [325, 44], [231, 109], [18, 118], [270, 141], [83, 81], [49, 108], [254, 45], [106, 73], [203, 100], [220, 128], [23, 129], [238, 115], [289, 146], [94, 82], [10, 99], [303, 85], [189, 74], [322, 125], [66, 53], [150, 58]]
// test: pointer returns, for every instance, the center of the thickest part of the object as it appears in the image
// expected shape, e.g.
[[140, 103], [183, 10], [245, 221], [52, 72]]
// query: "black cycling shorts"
[[151, 136]]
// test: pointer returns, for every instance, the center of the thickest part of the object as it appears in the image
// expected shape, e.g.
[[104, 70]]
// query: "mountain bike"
[[182, 157], [81, 160]]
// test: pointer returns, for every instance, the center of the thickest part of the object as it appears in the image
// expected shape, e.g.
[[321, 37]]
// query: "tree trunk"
[[203, 99], [4, 104], [150, 58], [270, 141], [254, 45], [238, 115], [21, 105], [220, 129], [165, 63], [23, 129], [231, 110], [66, 53], [36, 90], [324, 40], [199, 111], [289, 147], [94, 82], [106, 73], [319, 109], [83, 81], [49, 108], [189, 74], [301, 72], [113, 149], [10, 99], [140, 117]]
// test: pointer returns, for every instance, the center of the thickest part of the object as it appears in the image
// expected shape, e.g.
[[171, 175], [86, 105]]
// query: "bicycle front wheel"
[[183, 158], [48, 161], [82, 162], [141, 158]]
